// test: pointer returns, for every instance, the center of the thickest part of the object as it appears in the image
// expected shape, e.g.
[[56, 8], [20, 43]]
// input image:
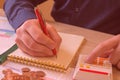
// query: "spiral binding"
[[37, 63]]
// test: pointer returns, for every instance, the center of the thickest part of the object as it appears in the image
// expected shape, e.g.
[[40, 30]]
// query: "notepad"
[[68, 48]]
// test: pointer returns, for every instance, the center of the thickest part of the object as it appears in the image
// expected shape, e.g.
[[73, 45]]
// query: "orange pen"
[[43, 25]]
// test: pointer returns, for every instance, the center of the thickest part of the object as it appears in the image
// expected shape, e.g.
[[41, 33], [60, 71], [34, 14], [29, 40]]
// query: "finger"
[[54, 35], [115, 56], [31, 52], [102, 48], [37, 34], [118, 65], [29, 42], [33, 45], [107, 53]]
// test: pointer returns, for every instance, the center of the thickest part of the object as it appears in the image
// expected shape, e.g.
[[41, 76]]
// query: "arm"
[[18, 11], [29, 36]]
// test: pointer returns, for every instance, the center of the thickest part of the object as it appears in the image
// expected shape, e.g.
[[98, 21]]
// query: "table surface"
[[92, 39]]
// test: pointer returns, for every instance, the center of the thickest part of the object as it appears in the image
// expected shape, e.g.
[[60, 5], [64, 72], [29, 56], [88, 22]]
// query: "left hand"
[[109, 48]]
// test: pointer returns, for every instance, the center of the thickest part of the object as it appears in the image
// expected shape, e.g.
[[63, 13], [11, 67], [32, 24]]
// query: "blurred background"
[[1, 3]]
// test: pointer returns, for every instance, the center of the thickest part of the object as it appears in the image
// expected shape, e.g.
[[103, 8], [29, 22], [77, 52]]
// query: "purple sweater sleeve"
[[18, 11]]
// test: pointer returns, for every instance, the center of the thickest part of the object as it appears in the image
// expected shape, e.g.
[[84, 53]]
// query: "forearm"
[[18, 11]]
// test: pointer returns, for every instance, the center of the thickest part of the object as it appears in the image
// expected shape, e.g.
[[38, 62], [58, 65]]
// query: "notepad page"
[[7, 35], [69, 46]]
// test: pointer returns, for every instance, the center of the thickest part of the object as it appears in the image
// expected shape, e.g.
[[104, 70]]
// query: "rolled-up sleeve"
[[18, 11]]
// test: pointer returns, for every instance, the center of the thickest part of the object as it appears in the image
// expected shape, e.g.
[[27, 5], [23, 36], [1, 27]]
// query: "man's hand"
[[31, 39], [109, 48]]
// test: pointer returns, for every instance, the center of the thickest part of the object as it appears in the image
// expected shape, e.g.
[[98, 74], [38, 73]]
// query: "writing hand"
[[31, 39]]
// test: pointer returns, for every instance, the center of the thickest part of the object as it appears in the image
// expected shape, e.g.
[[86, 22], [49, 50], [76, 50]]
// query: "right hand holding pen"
[[31, 39]]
